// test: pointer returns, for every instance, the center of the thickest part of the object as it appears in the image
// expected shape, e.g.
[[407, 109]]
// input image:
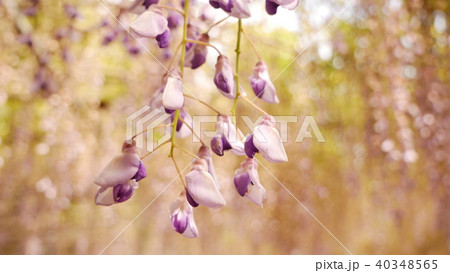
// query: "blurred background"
[[376, 80]]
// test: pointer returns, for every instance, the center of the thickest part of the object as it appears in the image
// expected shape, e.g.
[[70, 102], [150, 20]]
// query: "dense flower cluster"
[[118, 180]]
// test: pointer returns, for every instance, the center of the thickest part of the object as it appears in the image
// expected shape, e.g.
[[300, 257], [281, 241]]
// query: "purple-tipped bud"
[[214, 3], [271, 7], [217, 145], [241, 182], [258, 86], [174, 20], [148, 3], [224, 78], [249, 147], [163, 39], [141, 173], [122, 192], [190, 200]]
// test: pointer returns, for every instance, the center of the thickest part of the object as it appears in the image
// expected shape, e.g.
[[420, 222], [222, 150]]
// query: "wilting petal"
[[173, 98], [123, 192], [201, 186], [119, 170], [241, 182], [267, 140], [163, 39], [104, 196], [149, 24]]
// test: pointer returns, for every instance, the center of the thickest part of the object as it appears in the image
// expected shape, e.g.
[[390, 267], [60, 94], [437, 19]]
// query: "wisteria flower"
[[235, 8], [182, 130], [173, 98], [174, 19], [267, 141], [182, 216], [272, 5], [226, 137], [224, 77], [201, 186], [151, 24], [246, 181], [262, 85], [196, 54], [118, 179]]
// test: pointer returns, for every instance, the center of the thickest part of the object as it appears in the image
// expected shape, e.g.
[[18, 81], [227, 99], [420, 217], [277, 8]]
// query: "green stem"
[[236, 76], [183, 54]]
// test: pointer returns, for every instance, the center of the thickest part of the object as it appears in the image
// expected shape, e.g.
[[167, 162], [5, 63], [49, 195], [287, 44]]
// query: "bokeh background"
[[376, 81]]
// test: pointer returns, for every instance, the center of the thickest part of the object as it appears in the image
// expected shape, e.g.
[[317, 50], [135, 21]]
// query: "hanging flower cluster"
[[119, 179]]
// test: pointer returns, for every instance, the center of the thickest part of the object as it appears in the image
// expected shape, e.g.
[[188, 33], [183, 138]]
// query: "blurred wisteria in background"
[[375, 75]]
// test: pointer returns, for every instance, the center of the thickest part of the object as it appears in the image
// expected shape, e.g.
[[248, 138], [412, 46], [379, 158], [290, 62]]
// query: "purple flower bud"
[[241, 182], [174, 20], [271, 7], [122, 192], [149, 24], [224, 78], [196, 55], [182, 216], [164, 39], [261, 84], [249, 147], [258, 86], [169, 111], [141, 173], [148, 3], [180, 222]]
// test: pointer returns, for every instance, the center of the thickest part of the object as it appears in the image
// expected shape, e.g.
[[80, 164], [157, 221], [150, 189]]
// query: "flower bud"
[[262, 85], [163, 39], [224, 78]]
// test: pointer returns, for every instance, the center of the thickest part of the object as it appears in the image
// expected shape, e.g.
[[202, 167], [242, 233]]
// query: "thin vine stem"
[[185, 151], [154, 150], [187, 4], [174, 56], [236, 76], [203, 43], [251, 44], [254, 105], [217, 23], [202, 102], [178, 171], [156, 127]]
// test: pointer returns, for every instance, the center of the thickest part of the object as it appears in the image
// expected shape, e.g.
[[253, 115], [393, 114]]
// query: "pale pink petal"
[[203, 190], [267, 140], [119, 170], [149, 24], [104, 196], [173, 98], [191, 230]]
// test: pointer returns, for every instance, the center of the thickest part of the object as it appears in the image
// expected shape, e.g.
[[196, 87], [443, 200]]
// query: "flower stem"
[[252, 44], [254, 105], [174, 56], [187, 152], [203, 43], [217, 23], [154, 150], [202, 102], [187, 3], [236, 76], [143, 131], [178, 171]]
